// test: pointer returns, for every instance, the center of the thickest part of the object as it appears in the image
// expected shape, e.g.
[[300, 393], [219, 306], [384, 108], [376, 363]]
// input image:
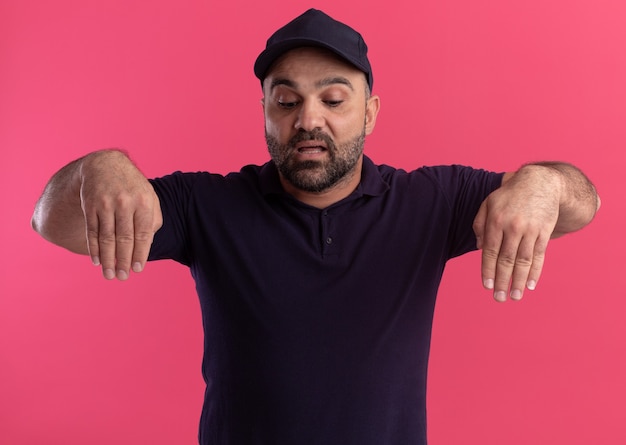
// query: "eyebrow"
[[319, 84]]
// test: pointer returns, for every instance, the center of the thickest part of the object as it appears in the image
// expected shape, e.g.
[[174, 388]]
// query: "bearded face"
[[319, 173]]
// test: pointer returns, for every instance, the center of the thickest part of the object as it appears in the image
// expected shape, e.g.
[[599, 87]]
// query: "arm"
[[101, 205], [516, 221]]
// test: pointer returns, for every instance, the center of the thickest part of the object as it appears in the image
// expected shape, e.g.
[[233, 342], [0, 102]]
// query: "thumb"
[[479, 224]]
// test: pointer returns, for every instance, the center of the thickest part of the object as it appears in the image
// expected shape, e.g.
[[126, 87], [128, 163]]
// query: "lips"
[[310, 147], [311, 150]]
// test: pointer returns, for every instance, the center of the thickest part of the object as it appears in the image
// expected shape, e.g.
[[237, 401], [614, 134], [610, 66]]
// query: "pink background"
[[484, 82]]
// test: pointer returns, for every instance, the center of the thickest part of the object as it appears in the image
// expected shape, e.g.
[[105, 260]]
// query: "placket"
[[330, 243]]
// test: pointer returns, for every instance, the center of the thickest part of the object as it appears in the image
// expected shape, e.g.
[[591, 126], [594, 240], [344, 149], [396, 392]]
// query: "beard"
[[312, 175]]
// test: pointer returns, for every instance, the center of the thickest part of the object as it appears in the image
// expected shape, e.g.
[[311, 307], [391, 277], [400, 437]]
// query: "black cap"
[[314, 28]]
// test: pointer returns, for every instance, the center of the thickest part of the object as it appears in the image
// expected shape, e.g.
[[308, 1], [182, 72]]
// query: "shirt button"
[[329, 240]]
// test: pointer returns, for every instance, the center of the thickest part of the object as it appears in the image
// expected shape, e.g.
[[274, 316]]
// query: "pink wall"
[[486, 83]]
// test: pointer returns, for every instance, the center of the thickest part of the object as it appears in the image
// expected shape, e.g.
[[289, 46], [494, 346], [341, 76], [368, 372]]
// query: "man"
[[317, 272]]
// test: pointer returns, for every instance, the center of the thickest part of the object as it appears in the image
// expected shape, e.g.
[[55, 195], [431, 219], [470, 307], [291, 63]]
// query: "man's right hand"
[[105, 196]]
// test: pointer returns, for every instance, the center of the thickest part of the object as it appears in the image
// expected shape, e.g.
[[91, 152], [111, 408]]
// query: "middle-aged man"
[[317, 272]]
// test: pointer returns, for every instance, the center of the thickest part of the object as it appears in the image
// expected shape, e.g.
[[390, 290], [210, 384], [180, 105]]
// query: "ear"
[[371, 111]]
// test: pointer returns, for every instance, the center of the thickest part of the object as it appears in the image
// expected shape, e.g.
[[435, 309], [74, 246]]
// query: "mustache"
[[315, 135]]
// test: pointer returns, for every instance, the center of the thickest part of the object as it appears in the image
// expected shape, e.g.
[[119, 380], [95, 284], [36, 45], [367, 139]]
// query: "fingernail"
[[531, 285], [137, 267], [122, 275], [488, 283], [95, 260], [516, 294], [500, 296], [109, 274]]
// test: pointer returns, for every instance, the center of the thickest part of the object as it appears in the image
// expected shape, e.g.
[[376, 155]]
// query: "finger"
[[144, 234], [106, 243], [91, 229], [124, 242], [479, 225], [504, 266], [522, 267], [539, 256], [91, 232], [491, 244]]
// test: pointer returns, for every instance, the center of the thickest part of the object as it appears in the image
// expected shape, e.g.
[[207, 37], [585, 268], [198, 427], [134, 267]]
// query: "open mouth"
[[311, 149]]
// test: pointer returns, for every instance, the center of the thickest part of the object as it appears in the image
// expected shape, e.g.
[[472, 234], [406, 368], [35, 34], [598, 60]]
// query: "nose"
[[310, 116]]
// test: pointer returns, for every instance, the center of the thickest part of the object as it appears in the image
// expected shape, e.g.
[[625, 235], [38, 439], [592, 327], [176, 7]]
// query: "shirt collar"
[[372, 183]]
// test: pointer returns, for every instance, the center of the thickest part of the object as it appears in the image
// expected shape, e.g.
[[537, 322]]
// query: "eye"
[[287, 105], [333, 103]]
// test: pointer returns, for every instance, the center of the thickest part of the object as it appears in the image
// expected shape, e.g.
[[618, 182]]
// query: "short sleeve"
[[171, 240], [465, 188]]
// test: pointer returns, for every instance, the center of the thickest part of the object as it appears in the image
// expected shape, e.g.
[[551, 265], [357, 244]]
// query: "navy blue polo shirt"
[[317, 322]]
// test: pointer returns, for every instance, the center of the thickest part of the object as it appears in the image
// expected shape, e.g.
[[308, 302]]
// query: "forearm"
[[578, 200], [58, 216]]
